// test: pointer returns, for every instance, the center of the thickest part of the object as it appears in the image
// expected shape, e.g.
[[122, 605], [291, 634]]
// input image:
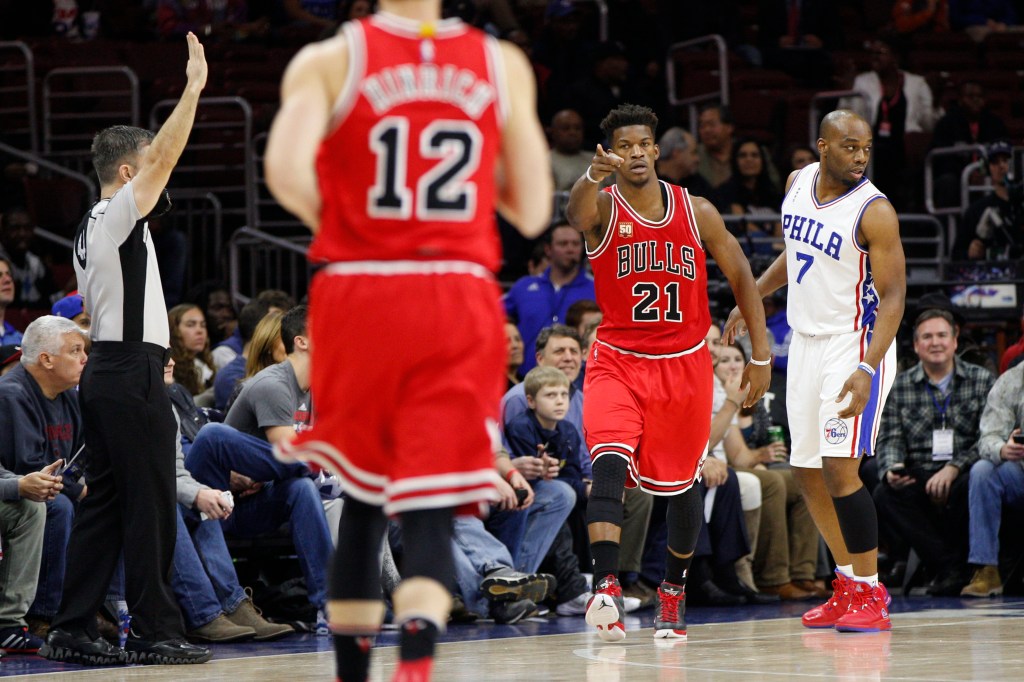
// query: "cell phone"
[[521, 495], [1018, 438]]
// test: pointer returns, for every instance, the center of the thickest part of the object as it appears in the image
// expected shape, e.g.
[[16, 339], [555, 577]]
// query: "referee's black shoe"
[[66, 647], [166, 652]]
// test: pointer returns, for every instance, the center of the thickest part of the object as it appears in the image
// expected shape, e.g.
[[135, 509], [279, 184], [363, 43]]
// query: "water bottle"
[[124, 621]]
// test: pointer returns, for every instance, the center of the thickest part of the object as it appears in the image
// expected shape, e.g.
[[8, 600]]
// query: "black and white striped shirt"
[[118, 275]]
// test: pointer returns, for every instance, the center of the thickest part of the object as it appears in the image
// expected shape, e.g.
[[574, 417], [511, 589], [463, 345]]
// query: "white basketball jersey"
[[831, 290]]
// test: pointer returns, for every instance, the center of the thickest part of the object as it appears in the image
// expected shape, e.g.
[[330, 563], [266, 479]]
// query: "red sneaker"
[[826, 615], [868, 612], [414, 671], [605, 610]]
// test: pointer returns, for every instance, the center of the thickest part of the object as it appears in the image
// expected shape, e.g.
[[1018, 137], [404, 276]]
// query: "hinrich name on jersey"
[[808, 231], [396, 85], [647, 257]]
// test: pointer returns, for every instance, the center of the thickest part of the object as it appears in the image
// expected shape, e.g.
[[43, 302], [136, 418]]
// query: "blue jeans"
[[288, 495], [60, 513], [991, 486], [529, 542], [202, 576], [477, 553]]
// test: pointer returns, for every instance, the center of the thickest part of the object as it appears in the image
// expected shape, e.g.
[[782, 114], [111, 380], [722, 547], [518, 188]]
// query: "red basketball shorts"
[[407, 374], [654, 412]]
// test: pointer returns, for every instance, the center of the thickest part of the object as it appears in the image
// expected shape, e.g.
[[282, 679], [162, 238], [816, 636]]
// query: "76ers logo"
[[836, 431]]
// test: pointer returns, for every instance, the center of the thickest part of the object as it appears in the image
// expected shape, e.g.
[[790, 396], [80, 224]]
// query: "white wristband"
[[761, 363], [865, 367], [587, 174]]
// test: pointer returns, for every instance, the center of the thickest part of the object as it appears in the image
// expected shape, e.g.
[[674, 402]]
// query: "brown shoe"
[[985, 583], [648, 596], [786, 592], [38, 626], [220, 629], [247, 615], [815, 587]]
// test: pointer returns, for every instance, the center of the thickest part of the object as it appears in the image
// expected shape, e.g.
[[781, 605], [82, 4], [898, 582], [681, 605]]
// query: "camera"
[[521, 495]]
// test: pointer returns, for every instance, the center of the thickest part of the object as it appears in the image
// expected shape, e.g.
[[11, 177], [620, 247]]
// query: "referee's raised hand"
[[196, 68]]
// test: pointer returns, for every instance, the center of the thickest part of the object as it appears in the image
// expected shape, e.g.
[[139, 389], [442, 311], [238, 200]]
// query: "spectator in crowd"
[[796, 36], [927, 442], [214, 605], [35, 283], [678, 161], [582, 314], [568, 158], [190, 348], [222, 314], [538, 301], [8, 334], [40, 423], [993, 225], [978, 18], [1013, 352], [265, 349], [605, 85], [515, 354], [896, 103], [997, 479], [715, 128], [915, 17], [214, 20], [798, 156], [22, 522], [214, 299], [750, 190], [233, 372], [967, 122], [72, 307]]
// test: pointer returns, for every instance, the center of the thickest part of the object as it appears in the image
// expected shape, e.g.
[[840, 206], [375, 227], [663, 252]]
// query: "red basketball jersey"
[[432, 131], [651, 279]]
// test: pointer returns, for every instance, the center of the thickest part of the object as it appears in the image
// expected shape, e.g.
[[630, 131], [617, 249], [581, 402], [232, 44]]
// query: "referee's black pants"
[[129, 433]]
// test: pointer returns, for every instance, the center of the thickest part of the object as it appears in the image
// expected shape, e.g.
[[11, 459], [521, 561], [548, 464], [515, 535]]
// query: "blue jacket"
[[524, 433]]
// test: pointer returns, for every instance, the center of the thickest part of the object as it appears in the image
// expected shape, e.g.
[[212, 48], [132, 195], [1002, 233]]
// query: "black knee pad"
[[683, 517], [356, 573], [427, 544], [605, 503], [858, 521]]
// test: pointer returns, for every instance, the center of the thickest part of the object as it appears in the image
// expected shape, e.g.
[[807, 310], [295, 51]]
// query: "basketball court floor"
[[933, 640]]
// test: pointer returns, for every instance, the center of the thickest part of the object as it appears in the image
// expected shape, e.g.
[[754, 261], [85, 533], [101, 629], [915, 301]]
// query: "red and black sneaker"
[[670, 622], [605, 610]]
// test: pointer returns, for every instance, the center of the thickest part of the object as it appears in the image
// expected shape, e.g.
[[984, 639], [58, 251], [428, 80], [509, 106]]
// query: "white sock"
[[846, 569], [871, 580]]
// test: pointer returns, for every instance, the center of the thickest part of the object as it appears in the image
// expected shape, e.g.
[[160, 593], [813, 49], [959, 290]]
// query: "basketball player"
[[647, 415], [396, 141], [844, 265]]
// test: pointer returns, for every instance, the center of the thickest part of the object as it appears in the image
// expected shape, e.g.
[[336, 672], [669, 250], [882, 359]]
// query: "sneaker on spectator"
[[869, 610], [985, 583], [38, 625], [606, 611], [506, 584], [165, 652], [328, 484], [323, 628], [79, 648], [18, 640], [509, 612], [670, 621], [577, 606], [826, 615], [460, 613]]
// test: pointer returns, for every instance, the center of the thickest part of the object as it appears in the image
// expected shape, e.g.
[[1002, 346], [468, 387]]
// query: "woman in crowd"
[[190, 348]]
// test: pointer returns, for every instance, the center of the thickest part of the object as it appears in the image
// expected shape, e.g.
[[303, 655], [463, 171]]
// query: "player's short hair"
[[555, 330], [541, 377], [933, 313], [629, 115], [116, 145]]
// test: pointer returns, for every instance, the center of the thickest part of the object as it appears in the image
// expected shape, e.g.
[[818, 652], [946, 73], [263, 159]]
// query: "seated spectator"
[[750, 191], [219, 308], [569, 160], [265, 349], [916, 17], [214, 605], [190, 348], [22, 520], [537, 301], [8, 334], [796, 37], [997, 480], [678, 162], [993, 226], [1011, 354], [214, 299], [35, 283], [927, 442], [211, 20], [798, 156], [978, 18], [233, 371], [40, 423], [72, 307], [715, 127], [515, 354]]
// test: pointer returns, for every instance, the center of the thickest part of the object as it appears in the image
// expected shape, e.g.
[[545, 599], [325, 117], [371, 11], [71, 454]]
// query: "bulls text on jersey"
[[651, 256]]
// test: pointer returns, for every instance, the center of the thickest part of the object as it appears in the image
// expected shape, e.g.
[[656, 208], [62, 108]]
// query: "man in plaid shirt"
[[927, 442]]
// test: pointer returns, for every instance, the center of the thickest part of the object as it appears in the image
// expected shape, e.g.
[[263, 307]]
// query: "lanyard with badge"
[[942, 438]]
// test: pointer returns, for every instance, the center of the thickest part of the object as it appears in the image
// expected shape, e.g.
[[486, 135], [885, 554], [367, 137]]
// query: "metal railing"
[[258, 260], [692, 102], [602, 18], [12, 110], [199, 216], [90, 186]]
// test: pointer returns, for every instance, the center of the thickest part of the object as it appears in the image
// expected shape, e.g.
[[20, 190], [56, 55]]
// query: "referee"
[[128, 423]]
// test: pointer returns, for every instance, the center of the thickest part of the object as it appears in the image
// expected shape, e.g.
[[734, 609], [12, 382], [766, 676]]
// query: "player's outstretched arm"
[[525, 184], [589, 208], [880, 229], [299, 127], [727, 253]]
